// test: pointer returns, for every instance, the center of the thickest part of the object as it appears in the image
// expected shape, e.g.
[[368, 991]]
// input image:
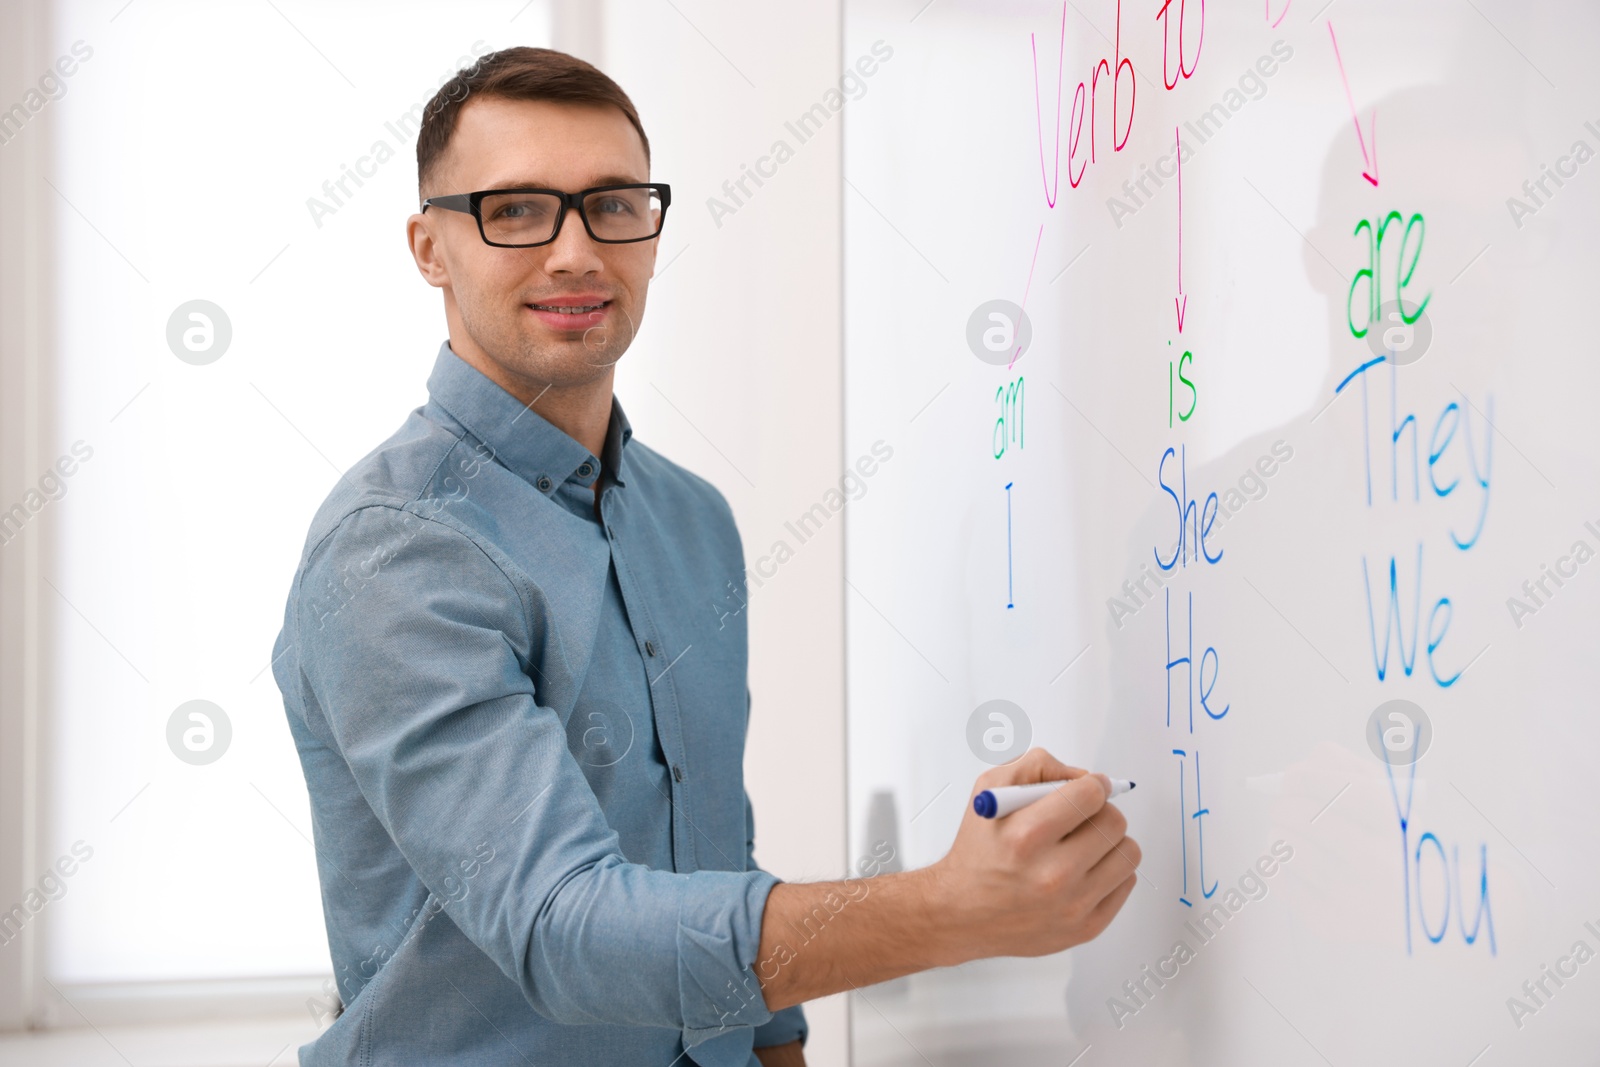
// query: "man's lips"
[[570, 312]]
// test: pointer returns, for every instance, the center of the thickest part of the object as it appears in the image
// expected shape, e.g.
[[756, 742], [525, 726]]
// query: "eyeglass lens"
[[530, 218]]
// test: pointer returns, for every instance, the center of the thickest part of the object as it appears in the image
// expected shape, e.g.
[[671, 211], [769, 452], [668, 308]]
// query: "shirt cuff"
[[719, 937]]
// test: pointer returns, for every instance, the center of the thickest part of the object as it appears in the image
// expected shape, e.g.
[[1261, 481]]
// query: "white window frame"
[[25, 223]]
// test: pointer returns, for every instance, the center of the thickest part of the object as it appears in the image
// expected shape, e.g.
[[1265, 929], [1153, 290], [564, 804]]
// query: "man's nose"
[[573, 251]]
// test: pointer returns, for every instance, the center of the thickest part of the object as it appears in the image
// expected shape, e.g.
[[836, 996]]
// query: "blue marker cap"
[[984, 804]]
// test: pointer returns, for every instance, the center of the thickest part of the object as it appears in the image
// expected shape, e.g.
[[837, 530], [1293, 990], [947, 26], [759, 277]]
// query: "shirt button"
[[650, 647], [585, 470], [677, 773], [543, 483]]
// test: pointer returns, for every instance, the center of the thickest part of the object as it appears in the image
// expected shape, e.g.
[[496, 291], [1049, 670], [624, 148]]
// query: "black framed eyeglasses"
[[527, 218]]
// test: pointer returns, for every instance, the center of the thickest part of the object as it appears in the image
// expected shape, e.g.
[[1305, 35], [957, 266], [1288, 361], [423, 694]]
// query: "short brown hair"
[[520, 73]]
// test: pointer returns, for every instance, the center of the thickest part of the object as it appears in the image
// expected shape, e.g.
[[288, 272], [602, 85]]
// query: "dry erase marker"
[[993, 803]]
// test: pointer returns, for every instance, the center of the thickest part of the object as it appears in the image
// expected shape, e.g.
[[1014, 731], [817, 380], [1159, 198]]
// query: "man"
[[522, 733]]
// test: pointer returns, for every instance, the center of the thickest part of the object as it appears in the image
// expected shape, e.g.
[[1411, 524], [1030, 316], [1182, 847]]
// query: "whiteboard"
[[1387, 220]]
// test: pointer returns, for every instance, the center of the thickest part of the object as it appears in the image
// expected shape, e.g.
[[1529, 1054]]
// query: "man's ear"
[[426, 251]]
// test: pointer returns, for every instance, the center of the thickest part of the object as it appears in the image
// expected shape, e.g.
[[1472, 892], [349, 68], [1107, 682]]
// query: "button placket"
[[664, 710]]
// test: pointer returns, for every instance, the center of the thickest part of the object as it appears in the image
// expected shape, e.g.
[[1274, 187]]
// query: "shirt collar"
[[525, 442]]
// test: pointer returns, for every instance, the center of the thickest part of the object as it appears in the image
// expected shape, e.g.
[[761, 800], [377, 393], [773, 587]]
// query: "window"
[[259, 158]]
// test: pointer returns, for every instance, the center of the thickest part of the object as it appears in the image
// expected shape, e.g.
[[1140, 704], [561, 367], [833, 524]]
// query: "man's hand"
[[1042, 879]]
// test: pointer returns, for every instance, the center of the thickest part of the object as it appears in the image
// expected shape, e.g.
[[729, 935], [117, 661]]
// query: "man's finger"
[[1119, 860], [1110, 904], [1046, 768], [1065, 809], [1096, 836], [1036, 765]]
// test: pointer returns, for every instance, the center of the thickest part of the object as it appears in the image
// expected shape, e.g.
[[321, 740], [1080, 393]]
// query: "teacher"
[[520, 716]]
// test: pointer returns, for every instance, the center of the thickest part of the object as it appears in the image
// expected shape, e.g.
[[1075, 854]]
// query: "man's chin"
[[565, 361], [599, 344]]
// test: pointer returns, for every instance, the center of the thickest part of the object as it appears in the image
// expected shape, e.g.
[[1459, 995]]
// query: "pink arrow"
[[1371, 173], [1181, 302], [1026, 290]]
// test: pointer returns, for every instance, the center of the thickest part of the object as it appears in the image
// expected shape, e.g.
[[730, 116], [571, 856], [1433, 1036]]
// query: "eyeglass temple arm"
[[454, 202]]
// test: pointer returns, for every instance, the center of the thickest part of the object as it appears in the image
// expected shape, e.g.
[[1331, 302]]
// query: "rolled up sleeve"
[[787, 1024], [414, 652]]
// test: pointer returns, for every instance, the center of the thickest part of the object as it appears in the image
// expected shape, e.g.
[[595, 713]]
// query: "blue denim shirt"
[[522, 728]]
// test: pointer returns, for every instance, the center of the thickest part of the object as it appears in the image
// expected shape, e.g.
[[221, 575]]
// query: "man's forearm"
[[819, 938]]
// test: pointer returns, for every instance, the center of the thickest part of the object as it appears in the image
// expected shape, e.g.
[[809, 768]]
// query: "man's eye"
[[523, 210]]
